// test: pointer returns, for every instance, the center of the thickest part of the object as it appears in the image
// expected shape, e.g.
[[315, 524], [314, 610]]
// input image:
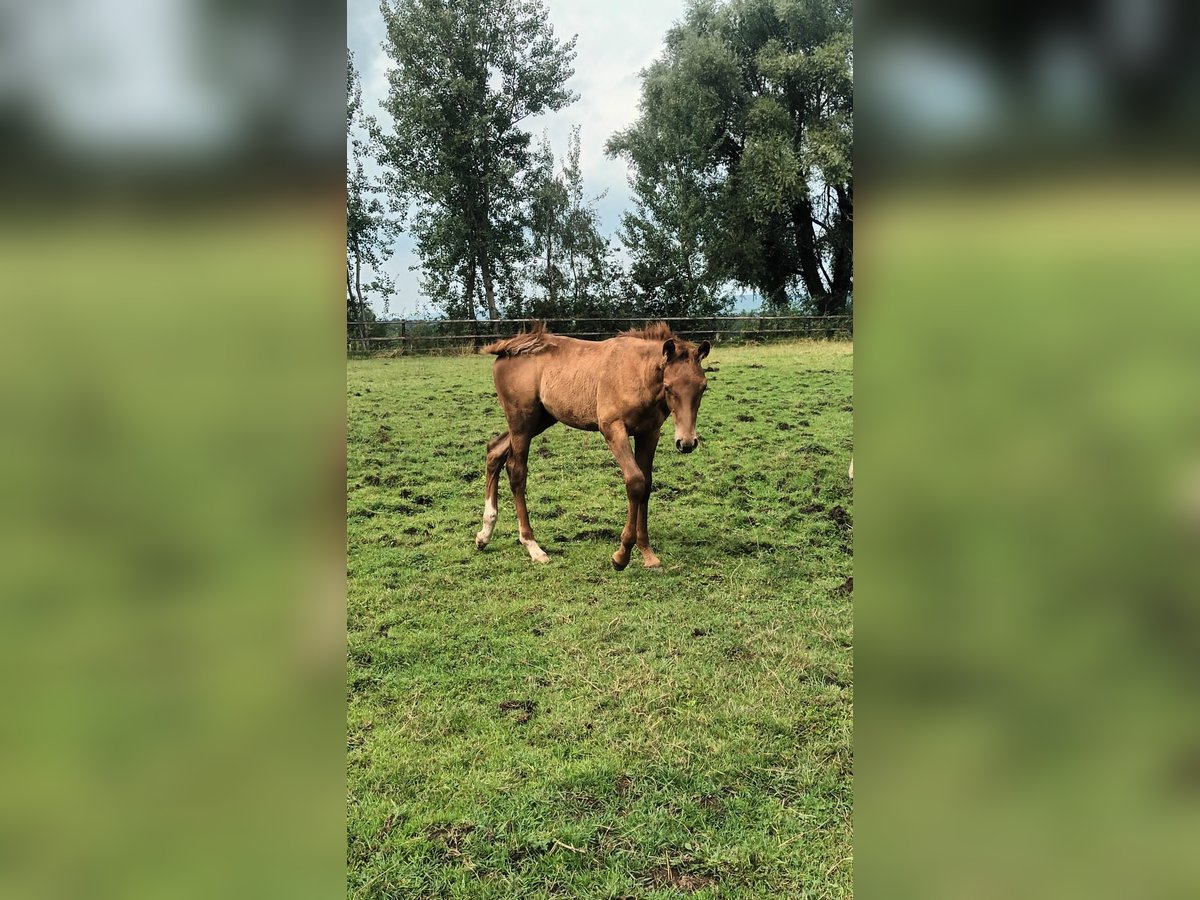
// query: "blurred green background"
[[1028, 459], [171, 438], [171, 639]]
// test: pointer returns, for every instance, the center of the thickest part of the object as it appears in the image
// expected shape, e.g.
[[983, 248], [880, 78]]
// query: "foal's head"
[[685, 384]]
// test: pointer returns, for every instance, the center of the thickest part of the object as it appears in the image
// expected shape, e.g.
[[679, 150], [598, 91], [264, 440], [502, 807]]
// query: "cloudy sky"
[[617, 39]]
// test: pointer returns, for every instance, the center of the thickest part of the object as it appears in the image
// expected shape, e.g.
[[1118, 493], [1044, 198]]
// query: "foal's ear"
[[669, 349], [702, 350]]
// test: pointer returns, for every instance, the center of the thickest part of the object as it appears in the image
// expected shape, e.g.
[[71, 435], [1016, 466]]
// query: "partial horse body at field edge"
[[623, 387]]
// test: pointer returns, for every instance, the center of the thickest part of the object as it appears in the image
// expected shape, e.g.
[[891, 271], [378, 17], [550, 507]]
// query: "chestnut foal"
[[622, 387]]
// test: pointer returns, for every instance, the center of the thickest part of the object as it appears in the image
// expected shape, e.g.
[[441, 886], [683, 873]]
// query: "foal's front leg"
[[645, 445], [617, 438]]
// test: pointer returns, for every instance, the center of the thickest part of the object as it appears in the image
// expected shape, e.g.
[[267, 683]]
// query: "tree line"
[[740, 161]]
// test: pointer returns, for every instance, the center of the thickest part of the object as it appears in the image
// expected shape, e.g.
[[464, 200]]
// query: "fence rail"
[[459, 335]]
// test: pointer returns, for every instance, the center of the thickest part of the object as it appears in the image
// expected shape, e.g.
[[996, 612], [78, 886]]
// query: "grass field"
[[523, 731]]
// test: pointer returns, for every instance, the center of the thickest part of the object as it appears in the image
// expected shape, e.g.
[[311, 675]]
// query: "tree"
[[370, 230], [572, 270], [547, 213], [742, 154], [466, 75]]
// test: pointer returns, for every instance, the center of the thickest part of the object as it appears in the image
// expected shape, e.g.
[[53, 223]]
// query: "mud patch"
[[742, 417], [840, 518], [834, 679], [423, 500], [679, 879], [784, 426], [450, 837], [597, 534], [523, 709], [845, 589]]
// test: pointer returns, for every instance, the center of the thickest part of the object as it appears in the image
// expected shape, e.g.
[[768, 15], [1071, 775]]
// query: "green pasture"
[[565, 730]]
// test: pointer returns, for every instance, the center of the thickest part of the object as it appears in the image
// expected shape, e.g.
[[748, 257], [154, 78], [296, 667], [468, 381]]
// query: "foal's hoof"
[[480, 543], [617, 562]]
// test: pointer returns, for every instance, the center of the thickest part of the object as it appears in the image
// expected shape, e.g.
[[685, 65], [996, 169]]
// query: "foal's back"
[[571, 379]]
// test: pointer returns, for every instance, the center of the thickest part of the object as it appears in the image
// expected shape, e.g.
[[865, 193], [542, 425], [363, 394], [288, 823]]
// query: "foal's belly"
[[572, 414], [571, 401]]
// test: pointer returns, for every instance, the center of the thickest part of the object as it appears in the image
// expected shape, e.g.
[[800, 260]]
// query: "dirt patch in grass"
[[596, 534], [840, 518], [845, 589], [451, 837], [523, 709], [686, 882]]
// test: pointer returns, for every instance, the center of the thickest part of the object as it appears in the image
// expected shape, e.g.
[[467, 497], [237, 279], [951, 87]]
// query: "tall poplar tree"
[[466, 74], [370, 229]]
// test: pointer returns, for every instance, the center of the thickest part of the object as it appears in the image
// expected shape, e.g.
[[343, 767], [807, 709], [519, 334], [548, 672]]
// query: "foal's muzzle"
[[686, 446]]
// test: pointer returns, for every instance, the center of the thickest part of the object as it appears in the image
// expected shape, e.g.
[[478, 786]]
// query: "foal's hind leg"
[[498, 451], [517, 471]]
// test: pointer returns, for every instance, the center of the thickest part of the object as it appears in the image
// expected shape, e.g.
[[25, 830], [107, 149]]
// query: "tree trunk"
[[806, 246], [351, 307], [488, 287], [842, 279], [469, 288], [362, 306], [549, 265]]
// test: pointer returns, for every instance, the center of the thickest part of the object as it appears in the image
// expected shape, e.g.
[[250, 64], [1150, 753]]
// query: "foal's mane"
[[655, 331], [535, 340]]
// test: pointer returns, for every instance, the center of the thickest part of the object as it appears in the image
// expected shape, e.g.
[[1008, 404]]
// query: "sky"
[[617, 39]]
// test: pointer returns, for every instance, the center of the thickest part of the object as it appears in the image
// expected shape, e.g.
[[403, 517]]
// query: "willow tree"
[[467, 73], [742, 152]]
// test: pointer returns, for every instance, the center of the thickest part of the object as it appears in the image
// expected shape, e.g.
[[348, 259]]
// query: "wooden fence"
[[402, 336]]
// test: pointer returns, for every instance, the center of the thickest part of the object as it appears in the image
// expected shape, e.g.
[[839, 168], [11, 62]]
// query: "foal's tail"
[[535, 340]]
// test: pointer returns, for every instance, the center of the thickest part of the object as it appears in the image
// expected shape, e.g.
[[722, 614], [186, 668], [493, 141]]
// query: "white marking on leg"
[[536, 553], [489, 523]]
